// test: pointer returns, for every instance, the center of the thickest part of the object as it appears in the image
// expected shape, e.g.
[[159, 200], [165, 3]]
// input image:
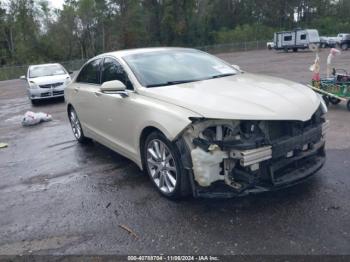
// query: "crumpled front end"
[[233, 158]]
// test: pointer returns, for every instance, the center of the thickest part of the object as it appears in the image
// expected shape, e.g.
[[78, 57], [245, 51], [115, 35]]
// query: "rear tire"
[[295, 50], [162, 162], [334, 101], [348, 105], [76, 126], [344, 46]]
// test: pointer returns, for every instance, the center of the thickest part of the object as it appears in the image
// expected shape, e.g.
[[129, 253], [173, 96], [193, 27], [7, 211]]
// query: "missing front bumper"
[[283, 174], [224, 162]]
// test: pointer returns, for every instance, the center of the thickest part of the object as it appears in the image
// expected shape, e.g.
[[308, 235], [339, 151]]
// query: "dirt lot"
[[58, 197]]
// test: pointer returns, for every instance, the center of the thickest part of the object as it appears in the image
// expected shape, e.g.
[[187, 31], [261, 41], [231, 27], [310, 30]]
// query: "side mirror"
[[23, 77], [114, 87], [71, 72]]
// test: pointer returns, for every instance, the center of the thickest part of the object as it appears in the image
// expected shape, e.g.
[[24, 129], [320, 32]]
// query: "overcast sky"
[[56, 3]]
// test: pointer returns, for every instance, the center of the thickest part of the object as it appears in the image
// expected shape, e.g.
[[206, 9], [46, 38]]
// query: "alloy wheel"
[[161, 166], [76, 127]]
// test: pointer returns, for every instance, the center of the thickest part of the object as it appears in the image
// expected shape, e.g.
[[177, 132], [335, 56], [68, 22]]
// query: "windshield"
[[51, 70], [172, 67]]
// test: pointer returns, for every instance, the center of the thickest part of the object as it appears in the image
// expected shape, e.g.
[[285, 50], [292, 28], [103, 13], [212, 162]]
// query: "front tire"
[[76, 126], [163, 164], [348, 105]]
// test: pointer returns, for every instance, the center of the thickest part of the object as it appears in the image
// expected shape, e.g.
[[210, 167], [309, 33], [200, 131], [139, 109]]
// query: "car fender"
[[169, 119]]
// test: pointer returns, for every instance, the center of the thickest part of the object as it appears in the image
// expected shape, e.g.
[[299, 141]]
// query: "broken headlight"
[[226, 135]]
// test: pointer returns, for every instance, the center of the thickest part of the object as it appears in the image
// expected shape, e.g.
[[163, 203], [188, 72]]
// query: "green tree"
[[32, 32]]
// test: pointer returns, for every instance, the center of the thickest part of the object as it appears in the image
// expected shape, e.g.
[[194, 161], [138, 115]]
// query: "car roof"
[[126, 52]]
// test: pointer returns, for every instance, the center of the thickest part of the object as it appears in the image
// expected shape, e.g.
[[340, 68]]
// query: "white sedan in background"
[[198, 125], [46, 81]]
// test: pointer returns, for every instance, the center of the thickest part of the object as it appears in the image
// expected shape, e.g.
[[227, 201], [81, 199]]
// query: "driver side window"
[[90, 74], [112, 70]]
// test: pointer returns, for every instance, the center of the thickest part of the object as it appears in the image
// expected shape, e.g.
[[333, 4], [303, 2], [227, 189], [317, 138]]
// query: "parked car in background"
[[328, 41], [324, 41], [343, 41], [295, 40], [332, 41], [46, 81], [198, 125], [270, 45]]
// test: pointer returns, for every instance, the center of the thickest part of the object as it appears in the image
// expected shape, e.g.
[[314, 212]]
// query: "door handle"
[[98, 93], [76, 89]]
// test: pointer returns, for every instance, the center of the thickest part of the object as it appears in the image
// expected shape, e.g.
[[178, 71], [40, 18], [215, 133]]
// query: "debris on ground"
[[3, 145], [31, 118], [108, 205], [129, 231]]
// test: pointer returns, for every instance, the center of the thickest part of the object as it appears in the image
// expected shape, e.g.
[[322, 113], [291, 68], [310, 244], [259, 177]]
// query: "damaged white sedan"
[[198, 125]]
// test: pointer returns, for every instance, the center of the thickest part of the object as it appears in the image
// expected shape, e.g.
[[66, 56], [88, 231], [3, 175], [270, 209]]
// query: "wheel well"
[[144, 134]]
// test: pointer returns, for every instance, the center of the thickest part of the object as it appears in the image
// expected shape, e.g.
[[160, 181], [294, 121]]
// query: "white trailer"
[[295, 40]]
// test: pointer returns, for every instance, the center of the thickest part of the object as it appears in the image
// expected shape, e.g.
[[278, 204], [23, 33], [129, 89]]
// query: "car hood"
[[243, 96], [46, 80]]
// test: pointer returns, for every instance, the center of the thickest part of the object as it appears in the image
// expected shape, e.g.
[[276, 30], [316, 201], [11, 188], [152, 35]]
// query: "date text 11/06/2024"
[[173, 258]]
